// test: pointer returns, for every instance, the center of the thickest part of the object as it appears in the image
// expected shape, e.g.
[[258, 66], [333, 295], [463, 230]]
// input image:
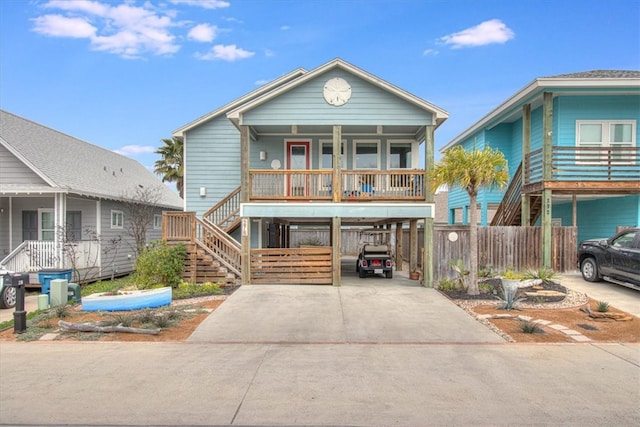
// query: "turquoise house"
[[334, 146], [572, 145]]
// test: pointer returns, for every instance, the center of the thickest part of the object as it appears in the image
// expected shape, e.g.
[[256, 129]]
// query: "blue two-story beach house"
[[332, 147], [572, 145]]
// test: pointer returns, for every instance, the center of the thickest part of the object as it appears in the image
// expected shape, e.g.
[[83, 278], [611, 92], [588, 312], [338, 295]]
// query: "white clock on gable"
[[337, 91]]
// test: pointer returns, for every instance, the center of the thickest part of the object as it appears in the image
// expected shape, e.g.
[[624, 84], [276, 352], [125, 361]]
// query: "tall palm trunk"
[[473, 246]]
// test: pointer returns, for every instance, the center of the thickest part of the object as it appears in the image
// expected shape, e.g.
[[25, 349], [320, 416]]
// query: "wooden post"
[[336, 226], [429, 143], [574, 209], [525, 217], [547, 146], [428, 262], [245, 138], [336, 184], [413, 245], [245, 241], [398, 248]]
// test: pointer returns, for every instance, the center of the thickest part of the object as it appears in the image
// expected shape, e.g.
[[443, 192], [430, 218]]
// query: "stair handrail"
[[511, 202], [225, 209], [217, 242]]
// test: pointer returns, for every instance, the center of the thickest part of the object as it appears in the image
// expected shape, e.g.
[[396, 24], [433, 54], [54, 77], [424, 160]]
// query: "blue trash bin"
[[46, 276]]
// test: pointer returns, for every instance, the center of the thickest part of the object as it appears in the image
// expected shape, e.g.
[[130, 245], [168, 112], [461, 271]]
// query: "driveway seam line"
[[600, 347], [244, 396]]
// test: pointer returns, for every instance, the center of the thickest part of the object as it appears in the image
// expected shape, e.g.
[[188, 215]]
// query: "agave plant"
[[509, 301]]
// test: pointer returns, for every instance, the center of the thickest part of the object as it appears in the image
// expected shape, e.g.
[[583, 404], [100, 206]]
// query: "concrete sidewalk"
[[321, 384]]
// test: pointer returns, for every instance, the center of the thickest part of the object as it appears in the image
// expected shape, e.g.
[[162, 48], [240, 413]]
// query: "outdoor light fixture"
[[203, 191], [263, 155]]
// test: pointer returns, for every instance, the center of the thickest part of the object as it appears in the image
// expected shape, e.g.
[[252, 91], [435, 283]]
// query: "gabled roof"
[[588, 80], [439, 114], [70, 165], [251, 95]]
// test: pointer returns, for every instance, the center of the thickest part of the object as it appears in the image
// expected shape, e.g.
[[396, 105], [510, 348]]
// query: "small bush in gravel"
[[603, 306], [191, 290], [530, 328]]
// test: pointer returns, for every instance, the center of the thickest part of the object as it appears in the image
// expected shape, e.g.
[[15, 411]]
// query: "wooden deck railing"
[[398, 185], [511, 206], [613, 164], [226, 213]]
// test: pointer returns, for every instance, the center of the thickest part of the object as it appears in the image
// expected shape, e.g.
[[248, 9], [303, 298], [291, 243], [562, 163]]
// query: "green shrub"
[[448, 285], [485, 287], [509, 302], [603, 306], [487, 272], [544, 274], [510, 274], [160, 265], [190, 290], [530, 328]]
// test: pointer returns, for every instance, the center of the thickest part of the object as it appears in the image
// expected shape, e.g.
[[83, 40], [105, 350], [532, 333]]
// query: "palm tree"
[[471, 170], [171, 166]]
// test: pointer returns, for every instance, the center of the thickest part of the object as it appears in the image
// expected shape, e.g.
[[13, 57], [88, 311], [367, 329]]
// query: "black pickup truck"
[[375, 259], [615, 260]]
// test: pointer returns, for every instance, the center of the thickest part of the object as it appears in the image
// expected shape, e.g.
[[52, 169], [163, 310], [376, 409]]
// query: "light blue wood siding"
[[596, 219], [369, 105], [570, 109], [13, 171], [212, 160]]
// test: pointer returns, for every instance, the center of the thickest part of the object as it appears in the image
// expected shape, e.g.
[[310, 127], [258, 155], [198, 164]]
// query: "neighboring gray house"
[[62, 197]]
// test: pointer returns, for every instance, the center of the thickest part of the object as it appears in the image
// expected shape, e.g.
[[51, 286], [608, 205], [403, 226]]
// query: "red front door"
[[298, 159]]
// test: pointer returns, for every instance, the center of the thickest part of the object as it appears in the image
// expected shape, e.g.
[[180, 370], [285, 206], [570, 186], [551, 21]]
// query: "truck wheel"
[[389, 274], [589, 270], [8, 297]]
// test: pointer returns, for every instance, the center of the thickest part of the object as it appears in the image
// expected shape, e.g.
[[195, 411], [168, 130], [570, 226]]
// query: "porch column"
[[547, 145], [413, 245], [246, 251], [60, 218], [526, 148], [337, 164], [427, 262], [245, 139], [398, 248], [336, 226]]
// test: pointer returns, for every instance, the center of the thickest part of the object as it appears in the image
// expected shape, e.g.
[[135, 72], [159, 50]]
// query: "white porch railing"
[[35, 255]]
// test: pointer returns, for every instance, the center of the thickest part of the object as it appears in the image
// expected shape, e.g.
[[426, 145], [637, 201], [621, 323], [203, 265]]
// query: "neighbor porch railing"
[[389, 185], [612, 164], [36, 255]]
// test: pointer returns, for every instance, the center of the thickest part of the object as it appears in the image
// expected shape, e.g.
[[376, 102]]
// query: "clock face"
[[337, 91]]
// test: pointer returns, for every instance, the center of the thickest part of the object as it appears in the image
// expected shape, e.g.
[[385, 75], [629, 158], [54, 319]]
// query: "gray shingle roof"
[[599, 74], [77, 166]]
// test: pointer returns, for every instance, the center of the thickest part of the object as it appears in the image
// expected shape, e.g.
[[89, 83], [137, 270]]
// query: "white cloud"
[[285, 27], [430, 52], [269, 53], [203, 33], [261, 82], [133, 150], [61, 26], [206, 4], [488, 32], [226, 53], [125, 30]]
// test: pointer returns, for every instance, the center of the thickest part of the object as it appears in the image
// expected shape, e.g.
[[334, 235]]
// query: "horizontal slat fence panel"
[[292, 266]]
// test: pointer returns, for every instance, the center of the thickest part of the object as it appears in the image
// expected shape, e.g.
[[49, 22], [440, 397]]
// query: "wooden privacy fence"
[[501, 248], [296, 266]]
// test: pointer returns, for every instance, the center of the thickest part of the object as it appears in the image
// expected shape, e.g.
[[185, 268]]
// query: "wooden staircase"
[[213, 255], [226, 213], [509, 212]]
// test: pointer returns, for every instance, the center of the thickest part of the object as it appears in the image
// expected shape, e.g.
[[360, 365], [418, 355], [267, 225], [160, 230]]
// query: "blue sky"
[[125, 74]]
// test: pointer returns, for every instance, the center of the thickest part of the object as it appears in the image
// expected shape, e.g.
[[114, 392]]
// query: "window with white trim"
[[366, 155], [326, 160], [47, 224], [617, 134], [117, 219], [157, 222], [400, 155]]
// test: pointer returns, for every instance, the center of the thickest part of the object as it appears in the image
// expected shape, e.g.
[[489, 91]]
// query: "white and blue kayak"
[[127, 300]]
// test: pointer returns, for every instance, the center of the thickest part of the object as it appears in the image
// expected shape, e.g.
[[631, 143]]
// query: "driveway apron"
[[369, 311]]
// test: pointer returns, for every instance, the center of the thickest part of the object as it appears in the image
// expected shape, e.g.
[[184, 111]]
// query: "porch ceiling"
[[379, 130]]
